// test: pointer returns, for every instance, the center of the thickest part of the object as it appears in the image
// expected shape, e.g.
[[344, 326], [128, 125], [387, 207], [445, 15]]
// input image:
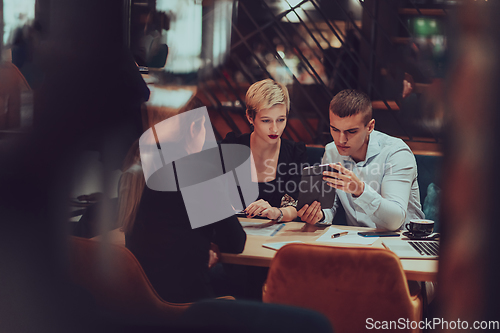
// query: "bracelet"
[[278, 220]]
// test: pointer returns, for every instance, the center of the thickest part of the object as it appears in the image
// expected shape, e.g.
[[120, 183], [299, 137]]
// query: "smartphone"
[[379, 234], [240, 214], [243, 214]]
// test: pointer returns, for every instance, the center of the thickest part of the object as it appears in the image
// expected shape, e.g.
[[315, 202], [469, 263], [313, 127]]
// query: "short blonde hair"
[[265, 94]]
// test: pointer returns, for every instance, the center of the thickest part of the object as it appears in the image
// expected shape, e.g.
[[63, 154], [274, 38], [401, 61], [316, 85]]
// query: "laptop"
[[413, 249]]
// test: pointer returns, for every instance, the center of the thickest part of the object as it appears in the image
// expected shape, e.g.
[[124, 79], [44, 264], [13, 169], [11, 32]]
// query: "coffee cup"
[[420, 227]]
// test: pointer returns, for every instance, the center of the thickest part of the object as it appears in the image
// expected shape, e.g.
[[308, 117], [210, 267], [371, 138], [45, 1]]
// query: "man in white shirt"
[[377, 174]]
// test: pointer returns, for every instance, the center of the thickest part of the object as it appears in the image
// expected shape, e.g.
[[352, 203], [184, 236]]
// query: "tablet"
[[312, 187]]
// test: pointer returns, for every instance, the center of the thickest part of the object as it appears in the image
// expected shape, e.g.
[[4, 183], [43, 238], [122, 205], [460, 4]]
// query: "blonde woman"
[[278, 162]]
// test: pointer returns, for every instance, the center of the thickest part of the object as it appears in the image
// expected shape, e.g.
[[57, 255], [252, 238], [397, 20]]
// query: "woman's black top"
[[174, 256], [292, 159]]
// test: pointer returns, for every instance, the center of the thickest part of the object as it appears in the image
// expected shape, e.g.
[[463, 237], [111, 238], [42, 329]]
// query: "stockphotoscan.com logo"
[[181, 154]]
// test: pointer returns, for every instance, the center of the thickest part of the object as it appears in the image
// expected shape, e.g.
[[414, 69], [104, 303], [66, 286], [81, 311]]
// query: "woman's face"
[[270, 123]]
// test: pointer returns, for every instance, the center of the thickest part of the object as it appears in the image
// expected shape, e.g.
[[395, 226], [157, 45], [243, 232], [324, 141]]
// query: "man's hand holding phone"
[[311, 213], [344, 180]]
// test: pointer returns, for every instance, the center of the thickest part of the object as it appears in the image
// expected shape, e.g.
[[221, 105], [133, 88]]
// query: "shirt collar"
[[373, 147], [372, 150]]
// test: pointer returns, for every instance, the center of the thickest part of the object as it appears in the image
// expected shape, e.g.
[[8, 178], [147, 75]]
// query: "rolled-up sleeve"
[[330, 212], [389, 207]]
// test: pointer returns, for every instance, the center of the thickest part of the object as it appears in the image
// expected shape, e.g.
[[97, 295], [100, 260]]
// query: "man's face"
[[350, 135]]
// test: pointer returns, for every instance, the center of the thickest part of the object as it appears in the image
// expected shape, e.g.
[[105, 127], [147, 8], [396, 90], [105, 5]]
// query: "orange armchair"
[[13, 86], [116, 280], [348, 285]]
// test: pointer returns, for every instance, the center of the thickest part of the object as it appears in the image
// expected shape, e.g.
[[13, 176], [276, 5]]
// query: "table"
[[257, 255]]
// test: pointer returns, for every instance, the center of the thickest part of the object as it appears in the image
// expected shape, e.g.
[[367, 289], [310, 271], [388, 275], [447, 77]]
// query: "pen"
[[340, 234], [278, 229]]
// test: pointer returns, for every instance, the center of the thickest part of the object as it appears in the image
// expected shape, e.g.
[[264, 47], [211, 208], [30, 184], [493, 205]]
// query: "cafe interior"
[[81, 81]]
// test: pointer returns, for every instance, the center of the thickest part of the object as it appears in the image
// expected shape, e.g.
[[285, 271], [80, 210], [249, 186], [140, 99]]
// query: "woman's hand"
[[259, 207], [271, 213]]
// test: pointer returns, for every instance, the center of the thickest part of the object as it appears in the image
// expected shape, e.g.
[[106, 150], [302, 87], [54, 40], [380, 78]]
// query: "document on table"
[[352, 237], [261, 229], [278, 245]]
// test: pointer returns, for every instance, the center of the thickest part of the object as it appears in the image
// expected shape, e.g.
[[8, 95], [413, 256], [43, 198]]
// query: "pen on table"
[[278, 229], [340, 234]]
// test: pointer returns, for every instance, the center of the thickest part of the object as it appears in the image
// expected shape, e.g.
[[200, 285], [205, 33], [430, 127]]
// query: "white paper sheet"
[[278, 245], [261, 229], [352, 237]]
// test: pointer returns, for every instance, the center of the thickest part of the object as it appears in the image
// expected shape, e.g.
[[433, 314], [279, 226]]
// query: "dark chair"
[[429, 183], [160, 58], [252, 317], [428, 166]]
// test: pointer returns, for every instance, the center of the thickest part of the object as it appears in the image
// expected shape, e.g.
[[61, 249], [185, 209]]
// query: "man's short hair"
[[350, 102], [265, 94]]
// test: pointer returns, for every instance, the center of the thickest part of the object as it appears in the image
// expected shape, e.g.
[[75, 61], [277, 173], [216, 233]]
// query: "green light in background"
[[423, 27]]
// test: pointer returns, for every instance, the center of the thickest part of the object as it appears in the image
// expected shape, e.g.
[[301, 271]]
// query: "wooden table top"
[[257, 255]]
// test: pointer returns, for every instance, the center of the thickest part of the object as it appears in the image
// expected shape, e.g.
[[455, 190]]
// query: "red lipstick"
[[273, 136]]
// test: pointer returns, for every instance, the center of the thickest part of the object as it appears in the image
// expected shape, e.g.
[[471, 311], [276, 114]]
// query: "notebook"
[[413, 249]]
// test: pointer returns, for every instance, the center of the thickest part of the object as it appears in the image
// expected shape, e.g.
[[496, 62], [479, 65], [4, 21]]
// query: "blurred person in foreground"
[[176, 257]]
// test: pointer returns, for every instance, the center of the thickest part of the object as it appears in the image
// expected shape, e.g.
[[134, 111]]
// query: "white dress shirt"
[[391, 196]]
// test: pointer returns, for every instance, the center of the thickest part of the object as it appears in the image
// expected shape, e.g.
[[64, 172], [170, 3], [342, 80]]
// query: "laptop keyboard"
[[426, 248]]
